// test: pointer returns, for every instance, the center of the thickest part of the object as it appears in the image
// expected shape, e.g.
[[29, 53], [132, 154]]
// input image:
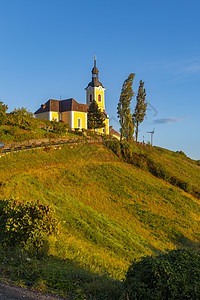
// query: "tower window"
[[99, 97], [79, 123], [90, 97]]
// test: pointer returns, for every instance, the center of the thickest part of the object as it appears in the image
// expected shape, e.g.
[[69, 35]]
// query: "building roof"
[[114, 132], [95, 77], [62, 106]]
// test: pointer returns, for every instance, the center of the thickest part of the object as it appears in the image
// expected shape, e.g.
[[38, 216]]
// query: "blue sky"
[[47, 49]]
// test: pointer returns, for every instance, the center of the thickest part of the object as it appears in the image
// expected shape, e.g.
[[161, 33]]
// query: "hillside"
[[111, 211]]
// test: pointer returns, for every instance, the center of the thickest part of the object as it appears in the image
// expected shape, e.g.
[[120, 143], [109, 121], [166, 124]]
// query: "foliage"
[[59, 127], [22, 118], [26, 224], [3, 109], [123, 109], [142, 159], [174, 275], [140, 109], [95, 117]]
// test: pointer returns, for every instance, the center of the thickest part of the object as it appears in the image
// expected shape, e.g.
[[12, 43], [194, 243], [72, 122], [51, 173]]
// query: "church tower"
[[95, 89]]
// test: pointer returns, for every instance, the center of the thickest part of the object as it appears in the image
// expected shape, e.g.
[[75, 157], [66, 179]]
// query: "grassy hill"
[[113, 207]]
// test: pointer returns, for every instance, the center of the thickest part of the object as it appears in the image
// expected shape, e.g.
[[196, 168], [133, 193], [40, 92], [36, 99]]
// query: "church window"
[[79, 123], [90, 97], [99, 97], [104, 131]]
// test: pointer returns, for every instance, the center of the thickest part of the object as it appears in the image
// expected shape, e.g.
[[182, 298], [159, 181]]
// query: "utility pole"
[[152, 133]]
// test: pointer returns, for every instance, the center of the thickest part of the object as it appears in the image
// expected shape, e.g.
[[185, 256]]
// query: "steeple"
[[95, 71], [95, 76]]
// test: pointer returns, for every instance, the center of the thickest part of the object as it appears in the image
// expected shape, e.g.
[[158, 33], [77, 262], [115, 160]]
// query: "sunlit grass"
[[111, 212]]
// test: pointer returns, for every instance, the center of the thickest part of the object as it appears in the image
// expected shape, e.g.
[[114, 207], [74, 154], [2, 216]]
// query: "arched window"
[[90, 97], [79, 123], [99, 97]]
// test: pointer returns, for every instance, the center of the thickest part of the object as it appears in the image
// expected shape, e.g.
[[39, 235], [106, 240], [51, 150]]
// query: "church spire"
[[95, 71]]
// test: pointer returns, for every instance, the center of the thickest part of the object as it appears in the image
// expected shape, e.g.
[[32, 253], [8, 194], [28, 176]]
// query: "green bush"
[[114, 145], [26, 224], [59, 127], [174, 275]]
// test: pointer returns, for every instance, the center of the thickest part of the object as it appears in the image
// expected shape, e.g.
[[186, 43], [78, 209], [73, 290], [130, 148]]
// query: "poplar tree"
[[95, 118], [140, 109], [123, 109]]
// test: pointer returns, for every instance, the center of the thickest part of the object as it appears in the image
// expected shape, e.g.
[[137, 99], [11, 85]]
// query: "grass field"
[[111, 212]]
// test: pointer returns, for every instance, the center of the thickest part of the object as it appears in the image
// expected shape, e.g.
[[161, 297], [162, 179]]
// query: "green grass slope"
[[110, 211]]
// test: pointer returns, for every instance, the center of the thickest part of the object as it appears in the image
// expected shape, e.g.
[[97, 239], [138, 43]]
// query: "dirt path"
[[8, 292]]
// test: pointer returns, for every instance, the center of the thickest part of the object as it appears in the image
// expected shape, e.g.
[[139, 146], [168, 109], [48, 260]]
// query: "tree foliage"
[[3, 109], [95, 118], [123, 109], [140, 109], [174, 275], [22, 118], [26, 224]]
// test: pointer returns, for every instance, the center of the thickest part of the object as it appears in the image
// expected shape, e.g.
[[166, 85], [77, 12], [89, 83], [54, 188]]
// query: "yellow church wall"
[[101, 92], [55, 115], [106, 128], [42, 116], [66, 117], [88, 95], [83, 117]]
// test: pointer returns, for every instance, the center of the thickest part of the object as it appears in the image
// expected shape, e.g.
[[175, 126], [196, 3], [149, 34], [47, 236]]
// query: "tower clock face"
[[100, 88]]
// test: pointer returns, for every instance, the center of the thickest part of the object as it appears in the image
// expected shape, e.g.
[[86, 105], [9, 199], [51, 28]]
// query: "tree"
[[174, 275], [23, 118], [123, 109], [140, 109], [3, 109], [95, 118]]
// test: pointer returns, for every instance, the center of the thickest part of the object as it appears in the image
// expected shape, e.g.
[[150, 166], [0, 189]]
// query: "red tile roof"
[[61, 106]]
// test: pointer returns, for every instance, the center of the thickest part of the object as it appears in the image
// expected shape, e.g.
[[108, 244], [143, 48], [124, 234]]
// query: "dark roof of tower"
[[95, 79], [61, 106]]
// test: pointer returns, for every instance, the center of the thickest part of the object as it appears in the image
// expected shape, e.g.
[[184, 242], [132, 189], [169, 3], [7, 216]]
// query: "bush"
[[26, 225], [174, 275], [114, 145], [59, 127]]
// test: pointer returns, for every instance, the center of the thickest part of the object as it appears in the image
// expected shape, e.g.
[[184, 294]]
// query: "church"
[[74, 113]]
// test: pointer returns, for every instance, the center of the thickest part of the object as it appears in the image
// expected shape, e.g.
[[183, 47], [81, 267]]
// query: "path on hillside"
[[8, 292], [53, 144]]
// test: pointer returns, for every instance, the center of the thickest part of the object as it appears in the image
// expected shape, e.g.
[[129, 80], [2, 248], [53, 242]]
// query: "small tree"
[[123, 109], [95, 118], [140, 109], [3, 109]]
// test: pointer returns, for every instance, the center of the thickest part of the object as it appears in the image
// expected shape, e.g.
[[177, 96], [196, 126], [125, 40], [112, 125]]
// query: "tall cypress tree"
[[95, 118], [123, 109], [140, 109]]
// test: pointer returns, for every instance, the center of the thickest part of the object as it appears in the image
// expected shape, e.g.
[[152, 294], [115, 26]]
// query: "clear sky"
[[47, 49]]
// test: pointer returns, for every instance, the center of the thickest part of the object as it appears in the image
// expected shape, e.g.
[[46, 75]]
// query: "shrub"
[[26, 225], [114, 145], [174, 275], [59, 127]]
